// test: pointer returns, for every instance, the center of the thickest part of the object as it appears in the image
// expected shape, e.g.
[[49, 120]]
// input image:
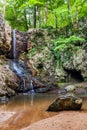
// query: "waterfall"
[[16, 67], [24, 85], [19, 69], [31, 87], [14, 44]]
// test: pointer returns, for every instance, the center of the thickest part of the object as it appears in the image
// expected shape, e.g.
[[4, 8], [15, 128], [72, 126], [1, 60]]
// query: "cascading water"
[[19, 69], [31, 87], [15, 64], [14, 44]]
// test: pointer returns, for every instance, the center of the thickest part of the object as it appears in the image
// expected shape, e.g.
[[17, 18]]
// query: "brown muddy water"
[[23, 110]]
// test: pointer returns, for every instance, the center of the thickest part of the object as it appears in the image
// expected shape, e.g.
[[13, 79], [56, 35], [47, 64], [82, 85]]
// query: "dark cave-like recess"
[[74, 74], [40, 66]]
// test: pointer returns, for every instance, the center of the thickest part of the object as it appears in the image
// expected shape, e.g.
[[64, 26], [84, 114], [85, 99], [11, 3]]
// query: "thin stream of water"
[[14, 44], [18, 69]]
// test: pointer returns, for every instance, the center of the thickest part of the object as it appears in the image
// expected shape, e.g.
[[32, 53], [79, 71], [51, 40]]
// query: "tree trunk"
[[45, 15], [26, 24], [34, 17], [39, 17], [76, 17], [3, 8], [56, 21], [69, 11]]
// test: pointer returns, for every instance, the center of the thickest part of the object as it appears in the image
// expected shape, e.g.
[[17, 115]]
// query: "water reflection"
[[32, 99], [29, 109]]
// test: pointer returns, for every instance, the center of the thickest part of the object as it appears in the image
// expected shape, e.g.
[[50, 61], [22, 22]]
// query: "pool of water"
[[28, 109]]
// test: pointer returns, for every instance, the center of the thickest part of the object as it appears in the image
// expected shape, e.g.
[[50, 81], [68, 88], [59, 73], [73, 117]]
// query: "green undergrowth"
[[66, 46], [62, 43]]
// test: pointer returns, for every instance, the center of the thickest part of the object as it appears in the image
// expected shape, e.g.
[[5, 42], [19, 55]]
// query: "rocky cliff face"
[[5, 37], [21, 44], [41, 59], [77, 63], [36, 48], [8, 79]]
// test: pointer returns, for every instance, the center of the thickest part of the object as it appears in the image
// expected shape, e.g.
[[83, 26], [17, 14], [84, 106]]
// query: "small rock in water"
[[70, 88], [32, 91], [66, 102], [3, 99]]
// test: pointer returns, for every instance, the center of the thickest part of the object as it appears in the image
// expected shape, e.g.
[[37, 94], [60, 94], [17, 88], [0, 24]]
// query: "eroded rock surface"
[[5, 37], [8, 80]]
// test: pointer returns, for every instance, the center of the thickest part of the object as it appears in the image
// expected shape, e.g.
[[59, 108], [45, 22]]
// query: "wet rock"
[[21, 43], [42, 90], [3, 99], [8, 80], [66, 102], [80, 91]]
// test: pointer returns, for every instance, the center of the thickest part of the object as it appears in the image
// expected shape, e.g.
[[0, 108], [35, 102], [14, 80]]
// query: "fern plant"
[[71, 40], [64, 44]]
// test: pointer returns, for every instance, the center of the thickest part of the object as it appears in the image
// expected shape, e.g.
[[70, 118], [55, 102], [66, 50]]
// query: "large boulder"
[[66, 102]]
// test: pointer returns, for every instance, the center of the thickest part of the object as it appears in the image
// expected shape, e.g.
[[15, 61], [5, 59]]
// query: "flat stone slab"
[[5, 115]]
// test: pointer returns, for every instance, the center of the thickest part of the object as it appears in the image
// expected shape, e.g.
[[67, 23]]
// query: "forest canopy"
[[25, 14]]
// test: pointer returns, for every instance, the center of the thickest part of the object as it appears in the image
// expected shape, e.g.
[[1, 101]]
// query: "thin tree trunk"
[[70, 29], [69, 11], [45, 15], [25, 17], [56, 21], [34, 17], [3, 8], [39, 17], [26, 24], [29, 21], [76, 17]]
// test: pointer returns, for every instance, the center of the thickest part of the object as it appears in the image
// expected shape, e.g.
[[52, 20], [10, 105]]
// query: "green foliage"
[[20, 14], [30, 53], [63, 42], [66, 45]]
